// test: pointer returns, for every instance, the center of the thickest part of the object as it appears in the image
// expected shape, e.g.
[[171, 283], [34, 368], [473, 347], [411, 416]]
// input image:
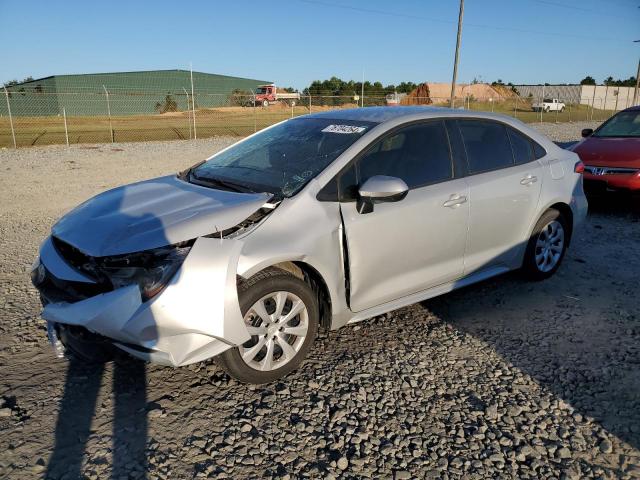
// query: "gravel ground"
[[502, 379]]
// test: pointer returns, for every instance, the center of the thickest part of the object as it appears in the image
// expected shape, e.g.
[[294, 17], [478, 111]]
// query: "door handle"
[[455, 200], [528, 180]]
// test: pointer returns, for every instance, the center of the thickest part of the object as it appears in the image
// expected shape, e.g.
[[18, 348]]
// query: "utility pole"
[[362, 90], [455, 62]]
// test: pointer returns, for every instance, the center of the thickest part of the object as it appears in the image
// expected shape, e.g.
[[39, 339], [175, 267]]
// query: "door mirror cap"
[[587, 132], [384, 188], [380, 188]]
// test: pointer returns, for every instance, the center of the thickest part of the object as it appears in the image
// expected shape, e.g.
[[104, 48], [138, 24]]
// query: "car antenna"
[[218, 231]]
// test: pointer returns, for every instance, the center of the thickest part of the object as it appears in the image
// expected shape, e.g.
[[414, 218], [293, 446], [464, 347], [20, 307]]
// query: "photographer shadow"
[[79, 407]]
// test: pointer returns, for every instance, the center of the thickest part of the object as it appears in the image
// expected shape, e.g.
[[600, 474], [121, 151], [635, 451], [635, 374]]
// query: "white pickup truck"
[[549, 105]]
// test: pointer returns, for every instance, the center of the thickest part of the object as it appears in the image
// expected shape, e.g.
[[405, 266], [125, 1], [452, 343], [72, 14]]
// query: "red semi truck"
[[268, 94]]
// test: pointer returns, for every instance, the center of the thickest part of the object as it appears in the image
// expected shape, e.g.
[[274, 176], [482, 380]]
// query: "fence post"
[[255, 114], [13, 133], [593, 101], [109, 113], [193, 105], [66, 131], [309, 102], [188, 111]]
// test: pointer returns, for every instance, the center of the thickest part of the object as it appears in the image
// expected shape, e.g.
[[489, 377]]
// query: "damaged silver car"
[[318, 221]]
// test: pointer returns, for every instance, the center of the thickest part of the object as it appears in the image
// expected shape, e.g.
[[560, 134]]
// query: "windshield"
[[624, 124], [281, 160], [261, 90]]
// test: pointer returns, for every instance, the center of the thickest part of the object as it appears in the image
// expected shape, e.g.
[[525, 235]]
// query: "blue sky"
[[293, 42]]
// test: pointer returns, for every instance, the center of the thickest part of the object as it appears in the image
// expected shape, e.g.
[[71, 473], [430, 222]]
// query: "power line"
[[473, 25], [580, 9]]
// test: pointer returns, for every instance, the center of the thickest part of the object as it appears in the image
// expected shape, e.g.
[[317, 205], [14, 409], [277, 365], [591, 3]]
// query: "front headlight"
[[151, 270]]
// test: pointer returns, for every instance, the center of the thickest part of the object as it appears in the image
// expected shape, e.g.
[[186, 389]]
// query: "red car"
[[611, 154]]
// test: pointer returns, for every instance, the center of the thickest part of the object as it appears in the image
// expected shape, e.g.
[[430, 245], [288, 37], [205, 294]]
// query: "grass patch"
[[228, 121]]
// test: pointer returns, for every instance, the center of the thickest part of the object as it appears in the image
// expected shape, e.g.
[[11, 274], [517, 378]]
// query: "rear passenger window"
[[487, 145], [538, 151], [418, 154], [522, 147]]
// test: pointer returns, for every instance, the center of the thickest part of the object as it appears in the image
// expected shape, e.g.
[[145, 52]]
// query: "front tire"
[[86, 346], [547, 246], [281, 313]]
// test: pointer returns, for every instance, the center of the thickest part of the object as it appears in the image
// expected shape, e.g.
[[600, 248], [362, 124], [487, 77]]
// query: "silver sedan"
[[316, 222]]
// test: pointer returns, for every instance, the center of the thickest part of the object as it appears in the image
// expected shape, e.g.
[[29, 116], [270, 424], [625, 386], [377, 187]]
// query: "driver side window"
[[418, 154]]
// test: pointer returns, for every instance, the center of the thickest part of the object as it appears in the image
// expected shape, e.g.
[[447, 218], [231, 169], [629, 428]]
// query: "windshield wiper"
[[184, 174], [226, 184]]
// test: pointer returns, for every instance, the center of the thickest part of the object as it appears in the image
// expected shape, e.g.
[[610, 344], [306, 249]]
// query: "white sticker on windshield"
[[343, 129]]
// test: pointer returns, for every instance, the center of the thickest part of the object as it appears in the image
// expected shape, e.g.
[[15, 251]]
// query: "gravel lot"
[[503, 379]]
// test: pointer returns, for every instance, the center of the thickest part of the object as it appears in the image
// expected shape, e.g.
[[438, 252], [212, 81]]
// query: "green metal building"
[[124, 93]]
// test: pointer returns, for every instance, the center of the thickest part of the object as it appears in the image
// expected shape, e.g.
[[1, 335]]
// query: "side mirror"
[[380, 188], [587, 132]]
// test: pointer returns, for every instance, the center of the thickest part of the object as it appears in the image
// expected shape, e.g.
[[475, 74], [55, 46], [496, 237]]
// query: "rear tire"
[[547, 246], [277, 337]]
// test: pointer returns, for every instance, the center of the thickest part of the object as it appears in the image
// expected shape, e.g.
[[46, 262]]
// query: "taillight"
[[579, 168]]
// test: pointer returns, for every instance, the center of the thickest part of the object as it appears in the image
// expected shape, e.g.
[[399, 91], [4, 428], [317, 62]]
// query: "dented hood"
[[152, 214]]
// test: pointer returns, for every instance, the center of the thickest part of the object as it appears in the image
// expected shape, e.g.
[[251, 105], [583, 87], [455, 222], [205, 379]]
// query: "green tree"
[[14, 82], [169, 105], [588, 80]]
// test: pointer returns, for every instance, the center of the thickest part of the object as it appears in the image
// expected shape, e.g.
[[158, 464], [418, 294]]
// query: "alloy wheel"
[[549, 246], [278, 324]]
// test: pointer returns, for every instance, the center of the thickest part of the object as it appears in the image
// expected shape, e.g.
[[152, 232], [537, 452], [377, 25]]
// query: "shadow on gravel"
[[583, 350], [78, 408], [622, 205]]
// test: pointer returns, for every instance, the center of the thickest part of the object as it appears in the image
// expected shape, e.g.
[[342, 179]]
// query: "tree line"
[[609, 81], [335, 86]]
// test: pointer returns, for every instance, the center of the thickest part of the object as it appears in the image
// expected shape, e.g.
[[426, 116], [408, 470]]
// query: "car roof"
[[377, 114], [387, 114], [632, 109]]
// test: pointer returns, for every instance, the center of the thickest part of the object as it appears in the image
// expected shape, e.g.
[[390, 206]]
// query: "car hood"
[[604, 152], [151, 214]]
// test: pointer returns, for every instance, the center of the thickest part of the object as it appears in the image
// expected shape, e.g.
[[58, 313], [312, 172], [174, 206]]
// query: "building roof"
[[138, 72]]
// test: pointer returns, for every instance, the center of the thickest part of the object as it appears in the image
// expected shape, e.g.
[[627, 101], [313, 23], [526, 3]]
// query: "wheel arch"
[[310, 275], [567, 213], [565, 210]]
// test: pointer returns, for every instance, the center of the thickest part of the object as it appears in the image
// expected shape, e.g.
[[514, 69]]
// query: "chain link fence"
[[39, 118]]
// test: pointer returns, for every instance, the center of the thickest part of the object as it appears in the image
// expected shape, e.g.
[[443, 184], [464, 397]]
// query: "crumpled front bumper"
[[197, 315]]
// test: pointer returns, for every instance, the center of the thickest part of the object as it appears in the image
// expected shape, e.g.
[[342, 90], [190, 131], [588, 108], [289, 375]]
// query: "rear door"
[[505, 182], [404, 247]]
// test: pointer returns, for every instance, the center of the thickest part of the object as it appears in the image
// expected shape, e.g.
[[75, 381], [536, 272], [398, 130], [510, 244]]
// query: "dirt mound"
[[428, 93], [504, 91], [419, 96]]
